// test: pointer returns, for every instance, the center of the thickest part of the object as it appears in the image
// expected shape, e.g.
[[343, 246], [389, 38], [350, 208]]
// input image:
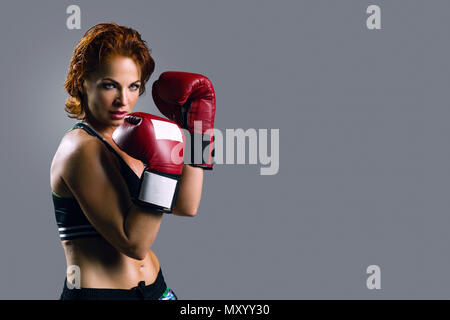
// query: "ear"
[[83, 84]]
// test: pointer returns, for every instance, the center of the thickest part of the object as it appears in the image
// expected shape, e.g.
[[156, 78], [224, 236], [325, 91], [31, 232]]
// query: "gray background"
[[364, 156]]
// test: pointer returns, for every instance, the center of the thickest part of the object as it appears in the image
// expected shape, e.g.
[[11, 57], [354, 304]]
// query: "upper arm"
[[95, 181]]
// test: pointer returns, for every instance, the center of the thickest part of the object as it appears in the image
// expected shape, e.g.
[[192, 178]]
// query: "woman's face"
[[112, 89]]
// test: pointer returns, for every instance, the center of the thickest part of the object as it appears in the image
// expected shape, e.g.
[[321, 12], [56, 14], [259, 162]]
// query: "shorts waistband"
[[141, 292]]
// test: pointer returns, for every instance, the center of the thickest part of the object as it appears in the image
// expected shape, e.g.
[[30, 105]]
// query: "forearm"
[[141, 225], [189, 192]]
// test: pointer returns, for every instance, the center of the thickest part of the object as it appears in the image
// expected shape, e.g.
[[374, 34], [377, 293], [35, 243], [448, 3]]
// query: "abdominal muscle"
[[100, 265]]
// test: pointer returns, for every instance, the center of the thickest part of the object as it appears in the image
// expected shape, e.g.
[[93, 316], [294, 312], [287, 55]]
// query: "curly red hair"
[[99, 43]]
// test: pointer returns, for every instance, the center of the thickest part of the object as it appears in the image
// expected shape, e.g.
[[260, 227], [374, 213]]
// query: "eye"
[[136, 86], [107, 85]]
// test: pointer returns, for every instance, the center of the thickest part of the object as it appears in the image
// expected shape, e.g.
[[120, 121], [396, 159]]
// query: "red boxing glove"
[[159, 144], [189, 100]]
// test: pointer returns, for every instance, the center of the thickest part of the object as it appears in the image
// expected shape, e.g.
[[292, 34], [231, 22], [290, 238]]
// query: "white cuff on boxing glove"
[[159, 190]]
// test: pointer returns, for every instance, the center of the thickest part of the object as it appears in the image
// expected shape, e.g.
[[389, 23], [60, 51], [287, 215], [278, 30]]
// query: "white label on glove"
[[166, 130], [156, 189]]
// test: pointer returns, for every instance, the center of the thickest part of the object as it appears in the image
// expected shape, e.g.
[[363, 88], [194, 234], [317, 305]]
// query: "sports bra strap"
[[92, 132]]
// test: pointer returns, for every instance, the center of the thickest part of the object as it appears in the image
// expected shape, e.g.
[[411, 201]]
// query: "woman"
[[105, 235]]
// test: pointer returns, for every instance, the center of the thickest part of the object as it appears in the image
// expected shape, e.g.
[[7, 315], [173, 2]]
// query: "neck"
[[104, 130]]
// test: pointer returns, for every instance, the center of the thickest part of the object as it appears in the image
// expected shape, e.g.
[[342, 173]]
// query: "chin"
[[117, 123]]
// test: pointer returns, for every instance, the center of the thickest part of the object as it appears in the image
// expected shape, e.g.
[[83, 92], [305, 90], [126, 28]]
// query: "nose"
[[123, 98]]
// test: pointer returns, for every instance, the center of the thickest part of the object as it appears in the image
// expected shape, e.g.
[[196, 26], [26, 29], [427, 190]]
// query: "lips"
[[118, 115]]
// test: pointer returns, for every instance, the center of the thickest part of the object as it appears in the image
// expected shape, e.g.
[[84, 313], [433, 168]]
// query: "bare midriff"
[[100, 265]]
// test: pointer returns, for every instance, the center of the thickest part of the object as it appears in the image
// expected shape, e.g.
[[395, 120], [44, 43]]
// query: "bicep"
[[100, 190]]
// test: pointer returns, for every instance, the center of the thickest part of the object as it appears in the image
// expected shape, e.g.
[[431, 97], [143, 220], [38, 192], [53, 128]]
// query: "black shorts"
[[158, 290]]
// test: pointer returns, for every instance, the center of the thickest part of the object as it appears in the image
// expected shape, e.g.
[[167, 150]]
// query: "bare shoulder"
[[75, 146]]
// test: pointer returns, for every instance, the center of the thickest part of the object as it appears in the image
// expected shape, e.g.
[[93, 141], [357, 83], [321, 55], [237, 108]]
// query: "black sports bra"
[[72, 222]]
